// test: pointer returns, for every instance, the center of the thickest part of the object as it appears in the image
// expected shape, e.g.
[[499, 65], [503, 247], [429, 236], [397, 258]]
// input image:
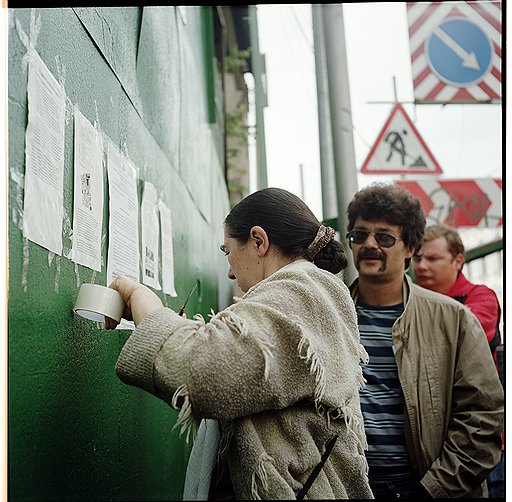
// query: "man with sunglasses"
[[432, 404]]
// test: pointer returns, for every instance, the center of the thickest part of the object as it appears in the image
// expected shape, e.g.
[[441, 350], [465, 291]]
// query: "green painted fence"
[[75, 432]]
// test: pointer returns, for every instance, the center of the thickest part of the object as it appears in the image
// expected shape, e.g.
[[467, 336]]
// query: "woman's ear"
[[259, 239]]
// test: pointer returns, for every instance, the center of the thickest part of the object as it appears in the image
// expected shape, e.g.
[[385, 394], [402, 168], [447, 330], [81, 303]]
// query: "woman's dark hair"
[[289, 224], [393, 204]]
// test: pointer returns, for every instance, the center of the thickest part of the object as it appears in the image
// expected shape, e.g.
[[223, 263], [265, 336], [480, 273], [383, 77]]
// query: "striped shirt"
[[382, 403]]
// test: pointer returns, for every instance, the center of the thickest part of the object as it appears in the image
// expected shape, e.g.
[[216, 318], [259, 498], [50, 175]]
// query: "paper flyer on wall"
[[88, 194], [123, 242], [167, 250], [43, 208], [150, 236]]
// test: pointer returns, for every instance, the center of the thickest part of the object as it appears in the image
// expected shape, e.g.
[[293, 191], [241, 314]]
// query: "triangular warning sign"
[[400, 149]]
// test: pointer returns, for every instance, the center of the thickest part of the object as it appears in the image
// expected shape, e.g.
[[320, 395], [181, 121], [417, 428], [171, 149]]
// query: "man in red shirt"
[[439, 267]]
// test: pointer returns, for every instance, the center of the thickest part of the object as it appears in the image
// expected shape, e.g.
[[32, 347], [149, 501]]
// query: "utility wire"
[[308, 41], [292, 44]]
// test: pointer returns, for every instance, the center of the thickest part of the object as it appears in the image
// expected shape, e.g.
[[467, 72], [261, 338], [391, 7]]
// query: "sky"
[[466, 140]]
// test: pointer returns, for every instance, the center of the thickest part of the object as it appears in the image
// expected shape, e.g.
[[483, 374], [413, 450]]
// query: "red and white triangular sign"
[[400, 149]]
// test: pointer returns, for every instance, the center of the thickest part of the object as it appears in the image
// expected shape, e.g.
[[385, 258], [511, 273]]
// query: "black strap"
[[497, 337], [316, 471], [493, 344], [460, 299], [500, 356], [496, 340]]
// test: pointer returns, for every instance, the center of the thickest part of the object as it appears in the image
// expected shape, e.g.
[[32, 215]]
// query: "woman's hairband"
[[323, 237]]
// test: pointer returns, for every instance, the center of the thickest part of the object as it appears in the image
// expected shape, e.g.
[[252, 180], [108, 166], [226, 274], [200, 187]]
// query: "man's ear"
[[409, 252], [259, 239], [459, 261]]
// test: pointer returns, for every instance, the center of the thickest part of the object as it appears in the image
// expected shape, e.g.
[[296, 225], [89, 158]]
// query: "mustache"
[[370, 254]]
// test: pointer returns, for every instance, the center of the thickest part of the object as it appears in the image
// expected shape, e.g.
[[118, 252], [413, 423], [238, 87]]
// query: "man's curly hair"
[[393, 204]]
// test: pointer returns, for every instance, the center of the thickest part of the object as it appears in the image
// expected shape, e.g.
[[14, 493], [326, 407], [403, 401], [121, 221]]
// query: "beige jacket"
[[453, 397], [280, 371]]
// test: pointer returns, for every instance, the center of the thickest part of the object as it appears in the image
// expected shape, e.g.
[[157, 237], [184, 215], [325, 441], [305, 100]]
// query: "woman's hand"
[[140, 301]]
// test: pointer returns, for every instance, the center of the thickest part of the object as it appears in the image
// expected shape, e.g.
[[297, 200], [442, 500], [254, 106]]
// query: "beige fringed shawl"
[[280, 371]]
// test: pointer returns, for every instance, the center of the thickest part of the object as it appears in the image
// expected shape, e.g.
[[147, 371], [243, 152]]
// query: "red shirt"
[[482, 301]]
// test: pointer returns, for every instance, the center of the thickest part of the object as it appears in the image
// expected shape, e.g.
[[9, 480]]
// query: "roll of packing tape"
[[96, 302]]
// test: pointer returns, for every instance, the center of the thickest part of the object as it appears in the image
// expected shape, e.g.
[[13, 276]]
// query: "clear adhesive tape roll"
[[96, 302]]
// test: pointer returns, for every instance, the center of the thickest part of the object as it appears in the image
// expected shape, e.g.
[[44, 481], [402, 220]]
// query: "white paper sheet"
[[88, 194], [167, 250], [150, 233], [44, 163], [123, 242]]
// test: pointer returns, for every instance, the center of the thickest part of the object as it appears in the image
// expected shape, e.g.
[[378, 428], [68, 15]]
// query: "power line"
[[308, 41]]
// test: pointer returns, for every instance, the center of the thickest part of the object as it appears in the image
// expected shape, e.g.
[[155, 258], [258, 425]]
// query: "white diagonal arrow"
[[469, 60]]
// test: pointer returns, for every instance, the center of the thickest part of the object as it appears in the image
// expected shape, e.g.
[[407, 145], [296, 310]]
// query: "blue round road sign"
[[459, 52]]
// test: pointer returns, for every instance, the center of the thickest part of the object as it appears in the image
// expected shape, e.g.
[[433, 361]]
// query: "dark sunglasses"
[[383, 238]]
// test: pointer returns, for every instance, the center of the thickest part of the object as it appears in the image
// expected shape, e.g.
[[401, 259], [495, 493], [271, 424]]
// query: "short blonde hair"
[[455, 245]]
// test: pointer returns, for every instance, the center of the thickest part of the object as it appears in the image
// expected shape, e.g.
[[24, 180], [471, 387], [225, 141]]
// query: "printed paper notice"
[[123, 243], [88, 194], [44, 162], [167, 250], [150, 236]]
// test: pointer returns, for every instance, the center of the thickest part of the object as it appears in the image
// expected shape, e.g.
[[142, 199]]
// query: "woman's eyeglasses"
[[382, 238]]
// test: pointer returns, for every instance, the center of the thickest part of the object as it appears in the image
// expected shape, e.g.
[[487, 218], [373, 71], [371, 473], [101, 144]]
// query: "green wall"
[[75, 432]]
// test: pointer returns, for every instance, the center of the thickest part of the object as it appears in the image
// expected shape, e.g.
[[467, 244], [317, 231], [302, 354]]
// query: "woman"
[[279, 369]]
